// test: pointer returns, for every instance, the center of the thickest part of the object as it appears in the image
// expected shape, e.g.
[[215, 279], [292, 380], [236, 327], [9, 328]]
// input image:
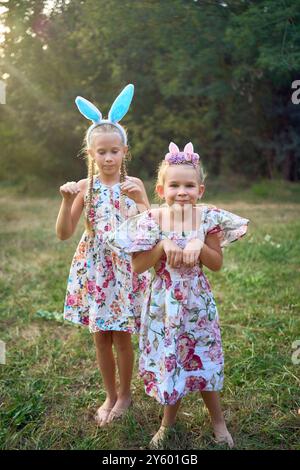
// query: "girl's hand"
[[173, 253], [134, 189], [69, 191], [191, 252]]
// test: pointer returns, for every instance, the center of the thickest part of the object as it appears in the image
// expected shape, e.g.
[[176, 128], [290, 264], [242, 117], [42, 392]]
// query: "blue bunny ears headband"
[[117, 111]]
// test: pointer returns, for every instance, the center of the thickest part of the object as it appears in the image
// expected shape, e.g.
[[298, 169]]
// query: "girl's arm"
[[211, 253], [146, 259], [134, 188], [145, 204], [71, 208]]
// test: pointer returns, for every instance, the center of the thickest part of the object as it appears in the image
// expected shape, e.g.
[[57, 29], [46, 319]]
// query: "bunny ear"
[[173, 148], [189, 148], [121, 104], [88, 109]]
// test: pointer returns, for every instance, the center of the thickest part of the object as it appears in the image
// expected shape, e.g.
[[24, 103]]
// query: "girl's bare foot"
[[222, 435], [102, 414], [157, 441], [119, 409]]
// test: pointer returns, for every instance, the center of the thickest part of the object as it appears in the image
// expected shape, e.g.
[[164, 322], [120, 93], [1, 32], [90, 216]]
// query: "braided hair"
[[88, 204]]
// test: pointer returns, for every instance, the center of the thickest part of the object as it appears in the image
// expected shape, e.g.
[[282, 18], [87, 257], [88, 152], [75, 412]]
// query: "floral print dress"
[[102, 291], [180, 341]]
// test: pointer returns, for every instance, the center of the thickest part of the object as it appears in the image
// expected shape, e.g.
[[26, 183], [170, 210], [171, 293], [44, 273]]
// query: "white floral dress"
[[180, 340], [102, 291]]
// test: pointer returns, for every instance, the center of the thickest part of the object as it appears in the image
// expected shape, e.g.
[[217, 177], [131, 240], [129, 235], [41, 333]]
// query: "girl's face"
[[181, 186], [108, 150]]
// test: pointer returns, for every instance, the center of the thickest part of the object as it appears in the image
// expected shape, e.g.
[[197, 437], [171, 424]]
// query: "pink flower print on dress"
[[110, 276], [167, 279], [91, 287], [215, 354], [216, 331], [194, 384], [137, 321], [142, 284], [135, 282], [147, 348], [92, 214], [82, 249], [128, 268], [108, 261], [85, 320], [167, 338], [115, 307], [202, 322], [71, 300], [148, 376], [178, 294], [194, 363], [185, 348], [172, 398], [181, 291], [170, 362], [204, 282], [164, 274], [100, 297], [151, 389]]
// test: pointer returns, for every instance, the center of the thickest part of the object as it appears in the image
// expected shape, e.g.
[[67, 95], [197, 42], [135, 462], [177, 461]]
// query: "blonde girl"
[[102, 292], [180, 342]]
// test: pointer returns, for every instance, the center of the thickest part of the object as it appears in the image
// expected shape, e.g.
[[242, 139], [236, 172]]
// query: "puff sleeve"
[[139, 233], [231, 227]]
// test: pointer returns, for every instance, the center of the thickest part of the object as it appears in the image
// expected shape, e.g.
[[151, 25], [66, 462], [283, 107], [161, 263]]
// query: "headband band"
[[106, 121]]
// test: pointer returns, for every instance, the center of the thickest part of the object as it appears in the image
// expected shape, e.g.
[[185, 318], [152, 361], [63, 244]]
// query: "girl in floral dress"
[[180, 341], [102, 291]]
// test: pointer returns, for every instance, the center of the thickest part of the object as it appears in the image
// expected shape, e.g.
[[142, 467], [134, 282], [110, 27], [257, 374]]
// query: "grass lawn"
[[50, 386]]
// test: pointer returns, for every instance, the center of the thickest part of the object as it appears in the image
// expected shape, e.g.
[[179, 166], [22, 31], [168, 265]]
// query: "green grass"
[[50, 385]]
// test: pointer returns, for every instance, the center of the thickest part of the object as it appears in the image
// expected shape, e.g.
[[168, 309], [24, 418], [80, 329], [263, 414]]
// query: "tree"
[[216, 73]]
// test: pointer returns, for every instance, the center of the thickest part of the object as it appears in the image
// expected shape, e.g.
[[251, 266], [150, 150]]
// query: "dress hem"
[[78, 323], [182, 395]]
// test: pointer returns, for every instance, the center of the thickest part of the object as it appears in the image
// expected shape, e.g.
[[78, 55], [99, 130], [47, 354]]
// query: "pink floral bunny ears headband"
[[175, 157]]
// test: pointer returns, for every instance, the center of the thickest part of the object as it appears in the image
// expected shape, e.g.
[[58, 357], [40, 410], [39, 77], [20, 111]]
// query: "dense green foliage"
[[217, 73]]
